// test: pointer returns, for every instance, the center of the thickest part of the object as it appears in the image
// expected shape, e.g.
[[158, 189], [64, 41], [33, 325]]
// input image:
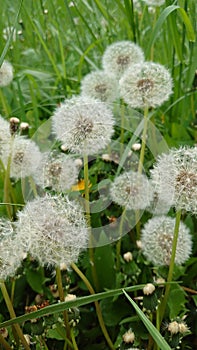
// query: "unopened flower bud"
[[4, 332], [14, 123], [183, 327], [148, 289], [136, 146], [173, 327], [70, 297], [128, 337], [128, 256]]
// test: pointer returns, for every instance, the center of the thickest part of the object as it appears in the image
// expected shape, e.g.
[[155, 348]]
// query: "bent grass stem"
[[13, 315], [88, 218], [97, 306], [62, 299], [171, 267]]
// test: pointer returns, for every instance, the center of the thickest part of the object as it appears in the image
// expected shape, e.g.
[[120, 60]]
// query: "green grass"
[[57, 43]]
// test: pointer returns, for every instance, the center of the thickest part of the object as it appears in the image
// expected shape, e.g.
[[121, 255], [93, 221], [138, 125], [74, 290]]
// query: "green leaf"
[[176, 301], [163, 345], [36, 278], [113, 311], [158, 26], [188, 25], [104, 263]]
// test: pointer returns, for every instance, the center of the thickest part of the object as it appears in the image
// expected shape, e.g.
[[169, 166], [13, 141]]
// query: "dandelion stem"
[[3, 342], [13, 315], [6, 108], [140, 165], [122, 112], [75, 347], [171, 267], [88, 218], [142, 152], [97, 306], [62, 299], [118, 245]]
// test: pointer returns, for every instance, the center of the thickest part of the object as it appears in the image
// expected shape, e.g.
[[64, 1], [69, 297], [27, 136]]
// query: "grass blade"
[[163, 345], [5, 50], [69, 304]]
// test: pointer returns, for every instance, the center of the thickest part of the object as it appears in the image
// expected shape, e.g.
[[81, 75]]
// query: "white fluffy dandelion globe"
[[10, 250], [100, 85], [53, 230], [25, 157], [6, 74], [121, 55], [174, 177], [4, 134], [132, 190], [146, 84], [157, 238], [57, 172], [83, 124]]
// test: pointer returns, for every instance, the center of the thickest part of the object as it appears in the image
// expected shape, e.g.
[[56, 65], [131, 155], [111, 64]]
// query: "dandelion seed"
[[121, 55], [83, 124], [10, 250], [131, 190], [157, 238], [6, 74], [25, 157], [175, 178], [57, 172], [54, 228], [100, 85], [146, 84]]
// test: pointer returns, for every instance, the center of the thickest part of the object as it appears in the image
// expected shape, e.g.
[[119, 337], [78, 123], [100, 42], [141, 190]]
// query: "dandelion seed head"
[[175, 178], [57, 172], [120, 55], [157, 237], [54, 228], [6, 74], [25, 157], [100, 85], [83, 124], [10, 250], [146, 84], [131, 190]]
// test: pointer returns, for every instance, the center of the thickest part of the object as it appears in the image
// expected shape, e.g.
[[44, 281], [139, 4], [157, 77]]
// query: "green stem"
[[6, 108], [122, 112], [5, 344], [13, 315], [62, 299], [118, 245], [140, 166], [98, 310], [88, 218], [75, 347], [142, 152], [171, 267]]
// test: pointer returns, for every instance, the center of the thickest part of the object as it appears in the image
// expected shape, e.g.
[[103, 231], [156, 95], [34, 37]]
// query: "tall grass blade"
[[163, 345]]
